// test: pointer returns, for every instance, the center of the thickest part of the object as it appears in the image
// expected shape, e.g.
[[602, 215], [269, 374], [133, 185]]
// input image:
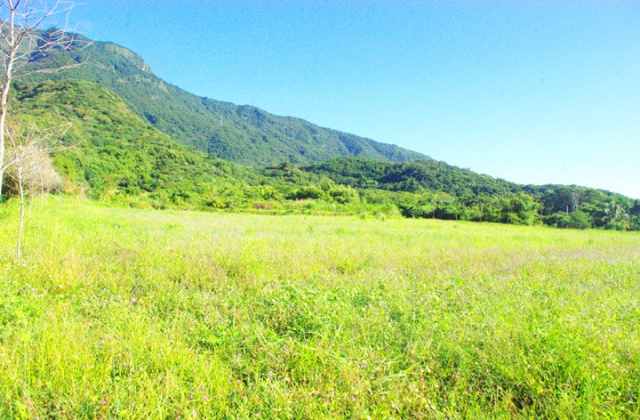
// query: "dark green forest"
[[448, 192], [242, 134]]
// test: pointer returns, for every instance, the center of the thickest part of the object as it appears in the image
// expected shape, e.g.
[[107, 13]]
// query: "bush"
[[575, 220]]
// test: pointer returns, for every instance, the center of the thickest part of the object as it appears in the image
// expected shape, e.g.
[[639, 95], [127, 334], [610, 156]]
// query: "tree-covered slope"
[[116, 155], [109, 148], [110, 153], [418, 176], [243, 134], [447, 192]]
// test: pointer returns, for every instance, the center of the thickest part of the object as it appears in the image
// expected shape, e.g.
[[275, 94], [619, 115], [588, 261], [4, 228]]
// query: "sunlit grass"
[[119, 313]]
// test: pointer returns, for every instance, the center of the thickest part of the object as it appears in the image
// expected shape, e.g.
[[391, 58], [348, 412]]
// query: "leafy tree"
[[522, 210]]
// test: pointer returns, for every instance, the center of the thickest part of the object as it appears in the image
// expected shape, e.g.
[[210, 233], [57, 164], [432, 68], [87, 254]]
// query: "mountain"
[[139, 140], [243, 134], [111, 154]]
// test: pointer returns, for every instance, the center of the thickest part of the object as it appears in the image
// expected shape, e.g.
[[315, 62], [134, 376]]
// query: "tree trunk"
[[4, 100], [21, 222]]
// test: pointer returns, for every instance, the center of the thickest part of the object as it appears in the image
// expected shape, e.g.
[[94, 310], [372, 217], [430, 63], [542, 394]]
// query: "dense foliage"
[[418, 177], [111, 154], [243, 134], [109, 148], [580, 208], [447, 192]]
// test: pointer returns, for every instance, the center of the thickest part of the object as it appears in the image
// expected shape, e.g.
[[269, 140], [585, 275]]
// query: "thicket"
[[464, 195]]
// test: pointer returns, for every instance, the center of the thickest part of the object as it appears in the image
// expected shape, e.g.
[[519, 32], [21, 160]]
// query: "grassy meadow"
[[122, 313]]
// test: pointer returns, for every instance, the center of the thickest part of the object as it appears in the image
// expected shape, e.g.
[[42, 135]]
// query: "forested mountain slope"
[[242, 134], [418, 176], [110, 153], [108, 148]]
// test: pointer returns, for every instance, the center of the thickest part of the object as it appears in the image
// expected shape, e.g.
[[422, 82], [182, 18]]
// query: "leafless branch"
[[29, 32], [30, 163], [24, 142]]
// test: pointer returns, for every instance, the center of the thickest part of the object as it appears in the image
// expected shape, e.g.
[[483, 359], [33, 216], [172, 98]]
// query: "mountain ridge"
[[239, 133]]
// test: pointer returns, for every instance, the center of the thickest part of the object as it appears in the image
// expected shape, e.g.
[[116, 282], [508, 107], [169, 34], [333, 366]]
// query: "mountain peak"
[[129, 55]]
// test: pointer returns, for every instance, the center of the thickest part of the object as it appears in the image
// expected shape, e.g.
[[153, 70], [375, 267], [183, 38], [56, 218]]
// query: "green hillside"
[[109, 149], [243, 134], [129, 151], [111, 154], [418, 176]]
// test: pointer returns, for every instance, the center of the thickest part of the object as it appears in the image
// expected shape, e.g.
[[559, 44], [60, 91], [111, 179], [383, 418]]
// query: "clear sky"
[[529, 91]]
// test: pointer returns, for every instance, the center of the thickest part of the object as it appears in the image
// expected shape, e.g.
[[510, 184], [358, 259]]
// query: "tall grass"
[[120, 313]]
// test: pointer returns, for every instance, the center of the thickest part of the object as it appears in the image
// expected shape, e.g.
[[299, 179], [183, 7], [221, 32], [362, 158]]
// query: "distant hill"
[[243, 134], [447, 192]]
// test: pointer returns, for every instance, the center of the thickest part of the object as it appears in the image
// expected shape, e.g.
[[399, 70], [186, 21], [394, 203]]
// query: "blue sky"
[[529, 91]]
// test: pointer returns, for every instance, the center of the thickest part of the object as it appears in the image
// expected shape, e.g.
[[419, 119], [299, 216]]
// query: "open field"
[[119, 313]]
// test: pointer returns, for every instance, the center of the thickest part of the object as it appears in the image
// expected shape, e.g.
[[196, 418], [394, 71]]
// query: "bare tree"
[[29, 164], [28, 30]]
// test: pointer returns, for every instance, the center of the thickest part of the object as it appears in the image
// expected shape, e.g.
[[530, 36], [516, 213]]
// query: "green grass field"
[[119, 313]]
